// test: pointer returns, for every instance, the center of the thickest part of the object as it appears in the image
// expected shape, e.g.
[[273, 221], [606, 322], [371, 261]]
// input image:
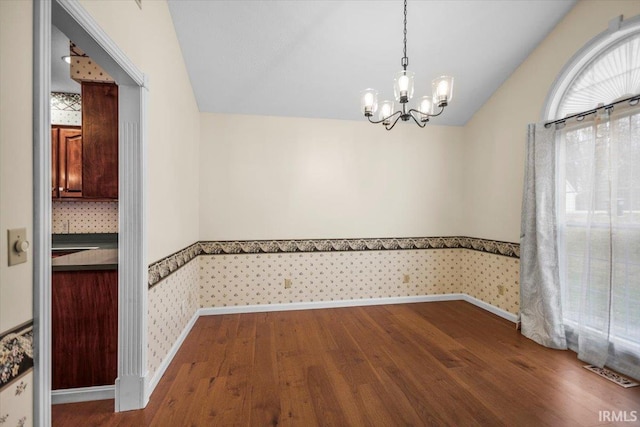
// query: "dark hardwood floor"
[[441, 363]]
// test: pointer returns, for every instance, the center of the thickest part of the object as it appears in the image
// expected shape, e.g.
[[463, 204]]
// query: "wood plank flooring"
[[440, 363]]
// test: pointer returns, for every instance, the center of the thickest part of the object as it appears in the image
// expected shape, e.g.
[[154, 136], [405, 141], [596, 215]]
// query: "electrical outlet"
[[287, 283], [405, 278], [500, 290]]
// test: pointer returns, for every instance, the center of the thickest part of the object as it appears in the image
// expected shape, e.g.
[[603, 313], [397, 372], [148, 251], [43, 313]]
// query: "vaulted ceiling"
[[312, 58]]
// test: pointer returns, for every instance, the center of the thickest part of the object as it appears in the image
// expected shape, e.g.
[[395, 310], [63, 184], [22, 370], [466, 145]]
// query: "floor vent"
[[612, 376]]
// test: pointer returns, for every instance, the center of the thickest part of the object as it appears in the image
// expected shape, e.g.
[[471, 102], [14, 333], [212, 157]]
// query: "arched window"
[[597, 209], [605, 69]]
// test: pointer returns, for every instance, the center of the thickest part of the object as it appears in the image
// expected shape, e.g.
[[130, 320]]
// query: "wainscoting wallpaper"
[[172, 303], [252, 279], [16, 376], [493, 279], [70, 217], [16, 403], [162, 268]]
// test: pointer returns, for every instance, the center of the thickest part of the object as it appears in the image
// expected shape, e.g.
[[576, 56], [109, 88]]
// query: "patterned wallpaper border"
[[164, 267], [16, 353]]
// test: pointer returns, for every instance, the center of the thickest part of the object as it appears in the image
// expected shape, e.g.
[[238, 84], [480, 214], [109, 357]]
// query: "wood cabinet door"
[[70, 162], [55, 186], [84, 324], [100, 140]]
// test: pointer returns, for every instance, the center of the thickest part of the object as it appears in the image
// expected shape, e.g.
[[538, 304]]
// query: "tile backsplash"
[[73, 217], [66, 109]]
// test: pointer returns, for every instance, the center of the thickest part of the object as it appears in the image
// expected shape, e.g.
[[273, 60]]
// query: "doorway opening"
[[78, 25]]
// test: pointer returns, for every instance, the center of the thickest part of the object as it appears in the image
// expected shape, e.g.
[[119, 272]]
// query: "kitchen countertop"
[[92, 259], [103, 254], [102, 241]]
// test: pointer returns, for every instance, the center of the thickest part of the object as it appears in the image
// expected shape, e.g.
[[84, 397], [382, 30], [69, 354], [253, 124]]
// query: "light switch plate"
[[15, 235]]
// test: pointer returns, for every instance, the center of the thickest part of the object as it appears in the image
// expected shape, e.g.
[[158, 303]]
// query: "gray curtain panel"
[[540, 293]]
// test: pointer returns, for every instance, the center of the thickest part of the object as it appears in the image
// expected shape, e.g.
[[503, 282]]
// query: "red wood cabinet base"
[[85, 328]]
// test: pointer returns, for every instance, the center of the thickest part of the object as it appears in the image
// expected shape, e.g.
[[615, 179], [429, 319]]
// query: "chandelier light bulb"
[[403, 83], [425, 107], [442, 90], [368, 99], [369, 102], [403, 86], [386, 110]]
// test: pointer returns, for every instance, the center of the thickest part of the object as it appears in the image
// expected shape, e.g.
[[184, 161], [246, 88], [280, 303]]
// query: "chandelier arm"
[[416, 120], [439, 112], [375, 122], [387, 127], [413, 110]]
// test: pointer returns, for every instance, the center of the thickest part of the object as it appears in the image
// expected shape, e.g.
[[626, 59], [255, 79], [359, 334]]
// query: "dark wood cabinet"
[[66, 161], [84, 160], [100, 140], [85, 328]]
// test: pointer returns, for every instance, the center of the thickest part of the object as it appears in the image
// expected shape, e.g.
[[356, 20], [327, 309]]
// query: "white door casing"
[[75, 22]]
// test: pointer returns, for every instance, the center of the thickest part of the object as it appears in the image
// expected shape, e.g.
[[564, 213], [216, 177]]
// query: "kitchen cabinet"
[[66, 161], [84, 160], [100, 140], [85, 328]]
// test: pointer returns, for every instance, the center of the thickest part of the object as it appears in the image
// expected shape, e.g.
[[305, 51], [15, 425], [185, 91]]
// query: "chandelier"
[[427, 107]]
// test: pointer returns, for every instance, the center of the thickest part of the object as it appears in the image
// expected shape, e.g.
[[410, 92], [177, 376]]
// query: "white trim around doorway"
[[73, 19]]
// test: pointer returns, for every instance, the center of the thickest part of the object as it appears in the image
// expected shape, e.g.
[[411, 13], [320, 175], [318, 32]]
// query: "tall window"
[[598, 209]]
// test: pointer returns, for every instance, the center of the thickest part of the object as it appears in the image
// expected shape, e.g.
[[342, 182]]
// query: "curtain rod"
[[633, 100]]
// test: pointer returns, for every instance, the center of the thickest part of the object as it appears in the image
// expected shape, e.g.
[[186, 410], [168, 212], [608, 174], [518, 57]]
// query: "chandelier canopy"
[[442, 91]]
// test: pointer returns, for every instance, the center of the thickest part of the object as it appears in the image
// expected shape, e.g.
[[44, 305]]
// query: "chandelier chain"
[[405, 60]]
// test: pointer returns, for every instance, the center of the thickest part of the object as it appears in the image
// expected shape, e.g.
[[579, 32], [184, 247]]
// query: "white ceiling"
[[312, 58], [60, 76]]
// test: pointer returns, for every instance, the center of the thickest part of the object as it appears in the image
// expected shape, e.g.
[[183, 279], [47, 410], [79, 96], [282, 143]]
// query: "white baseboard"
[[212, 311], [491, 308], [83, 394], [169, 357], [261, 308]]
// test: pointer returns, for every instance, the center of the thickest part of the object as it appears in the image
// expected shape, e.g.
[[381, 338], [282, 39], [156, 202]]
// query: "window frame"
[[618, 30]]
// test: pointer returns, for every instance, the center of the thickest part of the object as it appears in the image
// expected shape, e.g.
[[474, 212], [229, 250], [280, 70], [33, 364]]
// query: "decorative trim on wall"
[[161, 269], [164, 267], [330, 245], [16, 353]]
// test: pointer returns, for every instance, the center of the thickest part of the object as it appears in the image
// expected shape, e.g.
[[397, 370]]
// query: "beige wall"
[[284, 178], [16, 190], [16, 171], [148, 38], [495, 137]]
